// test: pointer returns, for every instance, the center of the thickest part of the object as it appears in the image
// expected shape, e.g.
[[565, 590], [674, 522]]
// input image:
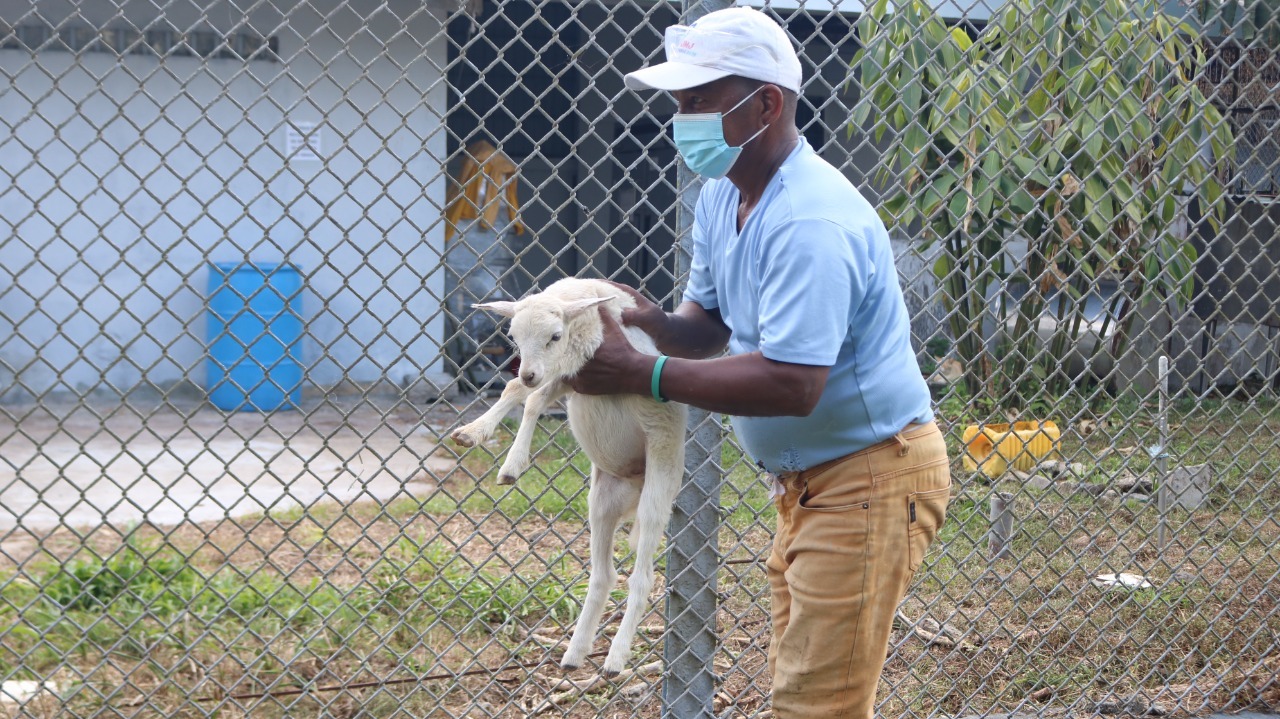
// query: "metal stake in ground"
[[1001, 531], [1162, 457]]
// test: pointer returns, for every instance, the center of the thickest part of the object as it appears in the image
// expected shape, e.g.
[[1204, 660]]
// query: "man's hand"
[[690, 332], [646, 315], [617, 367]]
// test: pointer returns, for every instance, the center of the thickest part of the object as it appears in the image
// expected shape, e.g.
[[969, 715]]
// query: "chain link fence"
[[240, 243]]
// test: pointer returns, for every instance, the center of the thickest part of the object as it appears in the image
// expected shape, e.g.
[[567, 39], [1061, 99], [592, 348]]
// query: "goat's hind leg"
[[482, 428], [664, 468], [610, 500]]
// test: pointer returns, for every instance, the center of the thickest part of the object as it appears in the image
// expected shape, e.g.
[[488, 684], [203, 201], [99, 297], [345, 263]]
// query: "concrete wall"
[[120, 177]]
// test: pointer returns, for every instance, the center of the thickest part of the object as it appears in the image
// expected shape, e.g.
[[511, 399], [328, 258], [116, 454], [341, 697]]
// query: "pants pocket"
[[834, 491], [926, 511]]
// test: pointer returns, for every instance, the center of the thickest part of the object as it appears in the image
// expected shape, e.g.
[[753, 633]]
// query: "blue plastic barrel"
[[255, 336]]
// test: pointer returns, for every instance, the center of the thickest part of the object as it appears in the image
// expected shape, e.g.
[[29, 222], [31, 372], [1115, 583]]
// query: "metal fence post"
[[688, 685]]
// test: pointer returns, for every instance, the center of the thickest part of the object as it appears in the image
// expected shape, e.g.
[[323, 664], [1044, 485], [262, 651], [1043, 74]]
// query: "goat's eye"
[[554, 338]]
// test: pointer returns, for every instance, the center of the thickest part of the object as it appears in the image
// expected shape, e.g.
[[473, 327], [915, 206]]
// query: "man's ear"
[[577, 307], [502, 307], [775, 103]]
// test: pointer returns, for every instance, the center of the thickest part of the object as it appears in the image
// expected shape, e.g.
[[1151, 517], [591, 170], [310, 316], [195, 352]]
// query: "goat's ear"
[[577, 307], [503, 307]]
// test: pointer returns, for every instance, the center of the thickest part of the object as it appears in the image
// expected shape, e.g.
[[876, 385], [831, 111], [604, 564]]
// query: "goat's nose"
[[529, 378]]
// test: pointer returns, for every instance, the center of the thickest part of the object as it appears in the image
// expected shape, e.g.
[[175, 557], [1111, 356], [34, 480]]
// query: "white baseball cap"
[[735, 41]]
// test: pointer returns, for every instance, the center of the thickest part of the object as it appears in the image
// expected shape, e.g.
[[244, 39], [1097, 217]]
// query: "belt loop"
[[903, 446]]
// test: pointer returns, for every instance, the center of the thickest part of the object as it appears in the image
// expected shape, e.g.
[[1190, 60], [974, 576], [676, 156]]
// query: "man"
[[793, 271]]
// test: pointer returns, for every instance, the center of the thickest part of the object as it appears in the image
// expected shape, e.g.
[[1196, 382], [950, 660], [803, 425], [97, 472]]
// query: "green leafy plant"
[[1258, 21], [1076, 125]]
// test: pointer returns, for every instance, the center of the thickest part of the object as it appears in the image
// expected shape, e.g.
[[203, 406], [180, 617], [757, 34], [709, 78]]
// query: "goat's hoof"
[[506, 479], [463, 437], [613, 667], [573, 658]]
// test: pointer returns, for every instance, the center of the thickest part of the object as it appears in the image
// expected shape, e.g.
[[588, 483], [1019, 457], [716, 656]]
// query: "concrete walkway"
[[84, 466]]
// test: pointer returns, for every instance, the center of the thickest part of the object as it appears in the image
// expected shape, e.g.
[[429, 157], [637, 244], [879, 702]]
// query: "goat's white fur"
[[635, 444]]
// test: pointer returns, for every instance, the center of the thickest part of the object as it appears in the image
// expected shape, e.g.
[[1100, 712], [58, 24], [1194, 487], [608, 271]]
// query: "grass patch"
[[148, 607], [1036, 620], [553, 488]]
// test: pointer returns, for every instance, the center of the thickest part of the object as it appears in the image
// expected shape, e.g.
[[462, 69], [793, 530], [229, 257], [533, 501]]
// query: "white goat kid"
[[635, 444]]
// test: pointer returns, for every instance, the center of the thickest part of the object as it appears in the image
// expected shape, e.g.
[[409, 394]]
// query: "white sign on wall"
[[302, 142]]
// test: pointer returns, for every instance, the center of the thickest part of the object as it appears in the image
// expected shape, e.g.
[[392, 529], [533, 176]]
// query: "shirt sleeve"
[[701, 287], [814, 276]]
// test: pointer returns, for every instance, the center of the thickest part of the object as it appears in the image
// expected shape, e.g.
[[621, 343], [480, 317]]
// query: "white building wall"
[[120, 178]]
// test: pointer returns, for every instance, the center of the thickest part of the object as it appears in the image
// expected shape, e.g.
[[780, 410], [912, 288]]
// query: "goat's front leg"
[[610, 499], [534, 405], [482, 428], [664, 467]]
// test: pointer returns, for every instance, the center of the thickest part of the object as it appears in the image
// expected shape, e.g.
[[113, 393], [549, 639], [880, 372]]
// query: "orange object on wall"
[[487, 178]]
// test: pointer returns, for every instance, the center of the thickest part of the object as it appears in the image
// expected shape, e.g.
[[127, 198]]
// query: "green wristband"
[[657, 378]]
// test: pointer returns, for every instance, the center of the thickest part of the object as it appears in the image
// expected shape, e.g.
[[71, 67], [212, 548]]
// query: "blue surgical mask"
[[700, 141]]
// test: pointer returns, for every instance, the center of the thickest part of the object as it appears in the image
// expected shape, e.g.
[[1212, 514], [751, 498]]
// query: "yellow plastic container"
[[994, 448]]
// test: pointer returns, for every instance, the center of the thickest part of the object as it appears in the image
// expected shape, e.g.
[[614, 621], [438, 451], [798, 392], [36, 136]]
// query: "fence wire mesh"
[[241, 241]]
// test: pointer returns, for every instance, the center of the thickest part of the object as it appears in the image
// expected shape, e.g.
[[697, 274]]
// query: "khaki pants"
[[851, 533]]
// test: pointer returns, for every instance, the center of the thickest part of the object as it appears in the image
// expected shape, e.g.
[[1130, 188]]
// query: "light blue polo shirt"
[[811, 280]]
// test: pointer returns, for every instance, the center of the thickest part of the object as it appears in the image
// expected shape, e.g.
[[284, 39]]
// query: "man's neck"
[[753, 174]]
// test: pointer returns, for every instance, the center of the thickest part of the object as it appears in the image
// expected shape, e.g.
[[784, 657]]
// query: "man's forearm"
[[692, 333], [748, 385]]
